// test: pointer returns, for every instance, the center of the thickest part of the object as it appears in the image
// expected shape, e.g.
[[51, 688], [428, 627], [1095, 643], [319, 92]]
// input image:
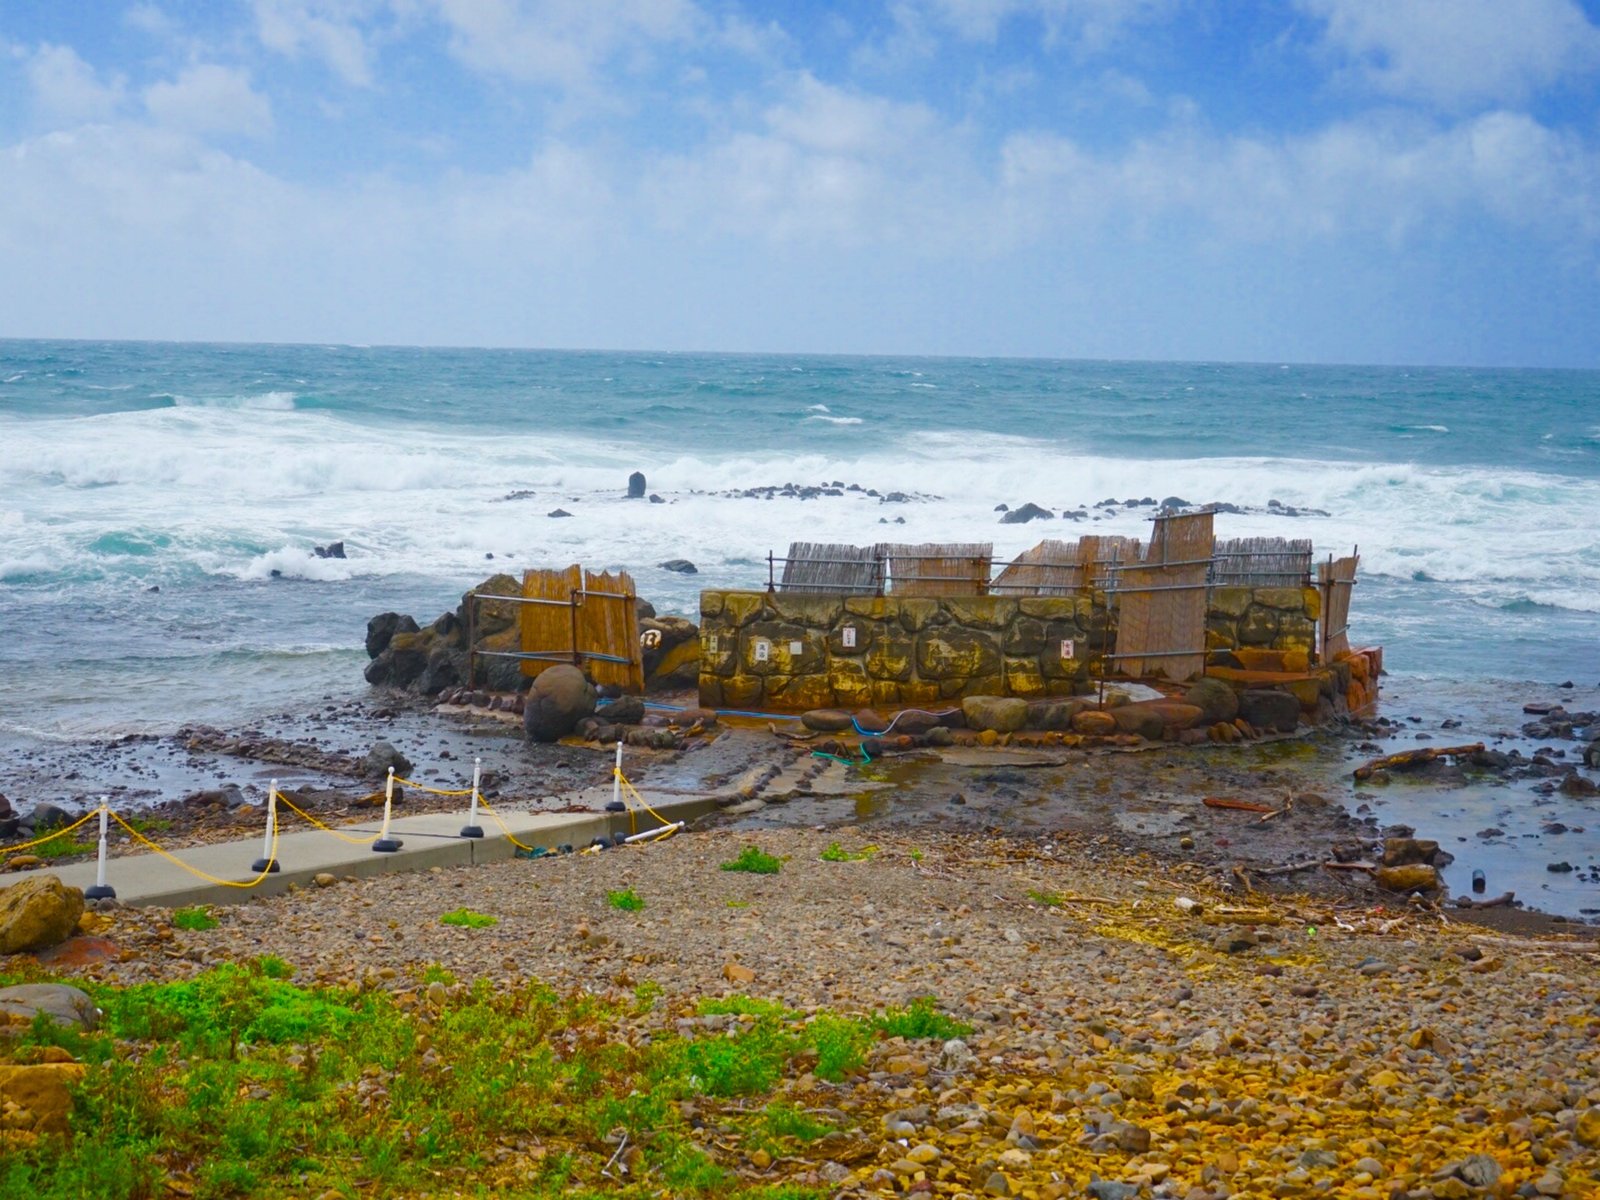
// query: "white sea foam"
[[822, 408], [237, 494], [264, 402]]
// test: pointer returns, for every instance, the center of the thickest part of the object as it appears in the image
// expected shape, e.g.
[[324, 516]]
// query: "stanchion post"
[[101, 890], [386, 844], [269, 861], [617, 805], [472, 829]]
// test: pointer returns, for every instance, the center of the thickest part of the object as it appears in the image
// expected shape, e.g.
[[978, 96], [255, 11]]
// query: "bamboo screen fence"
[[1161, 598], [1262, 562], [1337, 580], [935, 569], [586, 617]]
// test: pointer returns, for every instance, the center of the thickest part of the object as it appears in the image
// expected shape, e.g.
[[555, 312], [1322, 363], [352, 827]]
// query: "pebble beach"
[[1135, 1029]]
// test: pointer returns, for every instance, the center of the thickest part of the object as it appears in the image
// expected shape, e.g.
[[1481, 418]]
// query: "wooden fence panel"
[[1098, 553], [1337, 580], [1051, 568], [834, 568], [934, 569], [1262, 562], [590, 619], [1161, 622]]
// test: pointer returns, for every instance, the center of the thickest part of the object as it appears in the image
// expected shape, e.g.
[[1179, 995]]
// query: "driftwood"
[[1413, 758], [1240, 805], [1494, 902], [1288, 868]]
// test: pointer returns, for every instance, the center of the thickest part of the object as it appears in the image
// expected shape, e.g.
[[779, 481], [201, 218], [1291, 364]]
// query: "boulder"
[[59, 1003], [671, 653], [1415, 877], [636, 486], [1591, 754], [1268, 710], [558, 512], [1054, 714], [1405, 852], [1003, 714], [1139, 719], [625, 710], [869, 721], [914, 721], [826, 720], [38, 913], [1215, 700], [559, 699], [383, 627], [681, 565], [1028, 512], [42, 1096], [331, 550], [1094, 724], [380, 758]]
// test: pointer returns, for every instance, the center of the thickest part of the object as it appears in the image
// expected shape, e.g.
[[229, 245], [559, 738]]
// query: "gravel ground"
[[1252, 1046]]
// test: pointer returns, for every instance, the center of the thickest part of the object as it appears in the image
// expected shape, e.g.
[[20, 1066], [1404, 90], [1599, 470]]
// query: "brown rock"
[[1403, 852], [735, 973], [42, 1092], [826, 720], [1003, 714], [1094, 724], [37, 913], [1413, 877]]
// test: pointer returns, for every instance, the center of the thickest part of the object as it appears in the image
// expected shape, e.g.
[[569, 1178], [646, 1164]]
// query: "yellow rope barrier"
[[504, 828], [172, 858], [50, 837], [307, 817], [634, 792], [435, 791]]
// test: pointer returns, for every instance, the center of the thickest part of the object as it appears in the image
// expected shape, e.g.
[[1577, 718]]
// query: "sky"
[[1367, 181]]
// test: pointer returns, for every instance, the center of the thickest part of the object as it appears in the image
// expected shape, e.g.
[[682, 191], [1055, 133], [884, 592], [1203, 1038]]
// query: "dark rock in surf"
[[681, 565], [558, 512], [1028, 512], [331, 550], [383, 627], [636, 486]]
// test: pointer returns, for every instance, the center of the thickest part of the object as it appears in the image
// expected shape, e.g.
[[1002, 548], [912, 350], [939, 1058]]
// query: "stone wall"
[[1266, 618], [793, 652]]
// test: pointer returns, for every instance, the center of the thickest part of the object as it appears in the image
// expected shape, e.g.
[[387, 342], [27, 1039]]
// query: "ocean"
[[159, 503]]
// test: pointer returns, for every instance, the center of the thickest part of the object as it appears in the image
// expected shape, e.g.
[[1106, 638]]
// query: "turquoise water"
[[209, 472]]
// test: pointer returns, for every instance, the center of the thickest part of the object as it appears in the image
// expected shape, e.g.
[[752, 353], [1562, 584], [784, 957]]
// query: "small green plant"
[[468, 919], [755, 862], [921, 1020], [744, 1006], [645, 996], [627, 900], [195, 920], [837, 853], [1048, 899], [841, 1044], [786, 1121]]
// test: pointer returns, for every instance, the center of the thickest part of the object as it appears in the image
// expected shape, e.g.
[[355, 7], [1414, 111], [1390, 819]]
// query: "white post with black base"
[[472, 829], [101, 890], [268, 862], [386, 844]]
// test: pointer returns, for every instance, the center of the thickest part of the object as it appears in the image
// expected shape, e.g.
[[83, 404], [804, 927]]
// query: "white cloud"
[[208, 99], [826, 166], [561, 43], [1458, 53], [1087, 24], [330, 30], [69, 90]]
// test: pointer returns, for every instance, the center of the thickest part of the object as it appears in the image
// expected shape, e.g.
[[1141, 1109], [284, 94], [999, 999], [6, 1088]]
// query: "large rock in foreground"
[[560, 698], [37, 913]]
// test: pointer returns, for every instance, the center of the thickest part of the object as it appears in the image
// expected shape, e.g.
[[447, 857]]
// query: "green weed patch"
[[755, 862], [468, 919]]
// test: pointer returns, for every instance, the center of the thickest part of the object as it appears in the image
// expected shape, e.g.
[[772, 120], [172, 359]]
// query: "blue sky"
[[1388, 181]]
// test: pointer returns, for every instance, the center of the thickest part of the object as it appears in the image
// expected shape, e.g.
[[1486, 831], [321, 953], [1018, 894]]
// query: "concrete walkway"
[[429, 840]]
